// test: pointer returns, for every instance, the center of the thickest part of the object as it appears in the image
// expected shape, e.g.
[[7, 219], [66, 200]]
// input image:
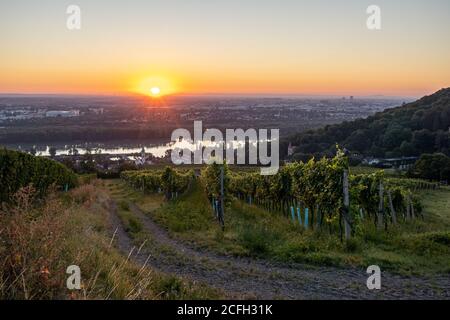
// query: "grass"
[[123, 197], [436, 204], [40, 240], [417, 247]]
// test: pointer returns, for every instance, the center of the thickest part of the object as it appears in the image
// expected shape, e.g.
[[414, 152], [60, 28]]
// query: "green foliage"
[[318, 185], [431, 167], [169, 181], [419, 245], [258, 239], [211, 178], [410, 130], [365, 192], [123, 205], [315, 185], [173, 181], [19, 169]]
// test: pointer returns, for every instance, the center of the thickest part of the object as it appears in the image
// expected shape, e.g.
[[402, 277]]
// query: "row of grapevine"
[[18, 169], [211, 177], [169, 181], [318, 187], [414, 184], [216, 180], [384, 200]]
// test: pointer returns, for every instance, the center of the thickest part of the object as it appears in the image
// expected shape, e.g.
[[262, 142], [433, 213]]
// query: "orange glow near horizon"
[[300, 48], [155, 86], [339, 79], [249, 83]]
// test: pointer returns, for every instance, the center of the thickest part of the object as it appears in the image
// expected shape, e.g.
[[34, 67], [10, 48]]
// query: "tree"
[[432, 167], [407, 149], [87, 163], [423, 140], [423, 123], [395, 135], [52, 152]]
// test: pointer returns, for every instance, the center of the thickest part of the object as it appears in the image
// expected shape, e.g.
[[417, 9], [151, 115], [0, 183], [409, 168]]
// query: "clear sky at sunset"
[[225, 47]]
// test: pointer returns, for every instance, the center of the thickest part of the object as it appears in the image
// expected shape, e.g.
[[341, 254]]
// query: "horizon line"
[[213, 94]]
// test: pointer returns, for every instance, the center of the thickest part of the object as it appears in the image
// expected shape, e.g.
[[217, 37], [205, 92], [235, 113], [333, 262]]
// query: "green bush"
[[18, 169], [431, 167], [257, 240]]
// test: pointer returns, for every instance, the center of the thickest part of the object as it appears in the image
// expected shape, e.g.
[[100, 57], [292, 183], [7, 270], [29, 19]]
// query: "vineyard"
[[319, 194], [314, 194], [169, 181], [19, 169]]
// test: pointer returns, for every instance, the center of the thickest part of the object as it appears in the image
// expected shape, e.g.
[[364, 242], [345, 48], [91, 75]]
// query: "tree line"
[[409, 130]]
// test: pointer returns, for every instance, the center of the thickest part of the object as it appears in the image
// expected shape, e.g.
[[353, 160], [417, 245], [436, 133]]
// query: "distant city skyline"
[[243, 48]]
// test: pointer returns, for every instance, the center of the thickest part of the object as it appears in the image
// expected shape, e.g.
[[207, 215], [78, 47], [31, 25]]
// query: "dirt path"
[[245, 278]]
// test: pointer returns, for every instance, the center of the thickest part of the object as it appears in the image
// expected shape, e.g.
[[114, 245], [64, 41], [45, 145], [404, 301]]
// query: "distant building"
[[142, 159], [97, 110], [402, 163], [63, 114]]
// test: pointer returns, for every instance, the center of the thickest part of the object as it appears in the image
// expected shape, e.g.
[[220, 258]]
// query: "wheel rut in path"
[[259, 279]]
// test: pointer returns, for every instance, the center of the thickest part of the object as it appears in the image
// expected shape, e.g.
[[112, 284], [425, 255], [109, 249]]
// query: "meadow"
[[420, 246]]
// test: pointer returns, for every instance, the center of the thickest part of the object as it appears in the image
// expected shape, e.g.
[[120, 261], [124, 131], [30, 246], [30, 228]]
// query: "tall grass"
[[39, 240]]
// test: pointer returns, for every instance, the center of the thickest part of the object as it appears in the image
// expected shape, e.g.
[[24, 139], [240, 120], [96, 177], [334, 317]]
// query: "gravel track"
[[259, 279]]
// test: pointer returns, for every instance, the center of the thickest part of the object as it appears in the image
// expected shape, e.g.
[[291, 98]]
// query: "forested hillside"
[[410, 130]]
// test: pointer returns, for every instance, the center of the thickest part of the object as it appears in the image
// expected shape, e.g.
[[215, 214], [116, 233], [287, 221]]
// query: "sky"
[[225, 47]]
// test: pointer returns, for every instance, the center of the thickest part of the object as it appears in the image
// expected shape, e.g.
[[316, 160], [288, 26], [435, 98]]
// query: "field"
[[416, 247], [144, 238]]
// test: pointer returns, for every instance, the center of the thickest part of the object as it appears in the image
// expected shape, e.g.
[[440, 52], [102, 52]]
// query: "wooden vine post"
[[380, 206], [391, 206], [222, 208], [346, 209], [411, 205], [408, 209]]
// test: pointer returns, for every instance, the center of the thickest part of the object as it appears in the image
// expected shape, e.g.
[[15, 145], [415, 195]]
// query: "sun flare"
[[155, 86], [155, 91]]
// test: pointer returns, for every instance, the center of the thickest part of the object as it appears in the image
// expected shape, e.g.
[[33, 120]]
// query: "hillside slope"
[[410, 130]]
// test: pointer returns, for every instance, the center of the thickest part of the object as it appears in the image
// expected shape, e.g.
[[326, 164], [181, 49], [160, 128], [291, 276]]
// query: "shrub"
[[19, 169], [257, 239], [432, 167]]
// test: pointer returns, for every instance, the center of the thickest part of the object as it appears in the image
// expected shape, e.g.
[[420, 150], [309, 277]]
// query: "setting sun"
[[155, 91], [154, 86]]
